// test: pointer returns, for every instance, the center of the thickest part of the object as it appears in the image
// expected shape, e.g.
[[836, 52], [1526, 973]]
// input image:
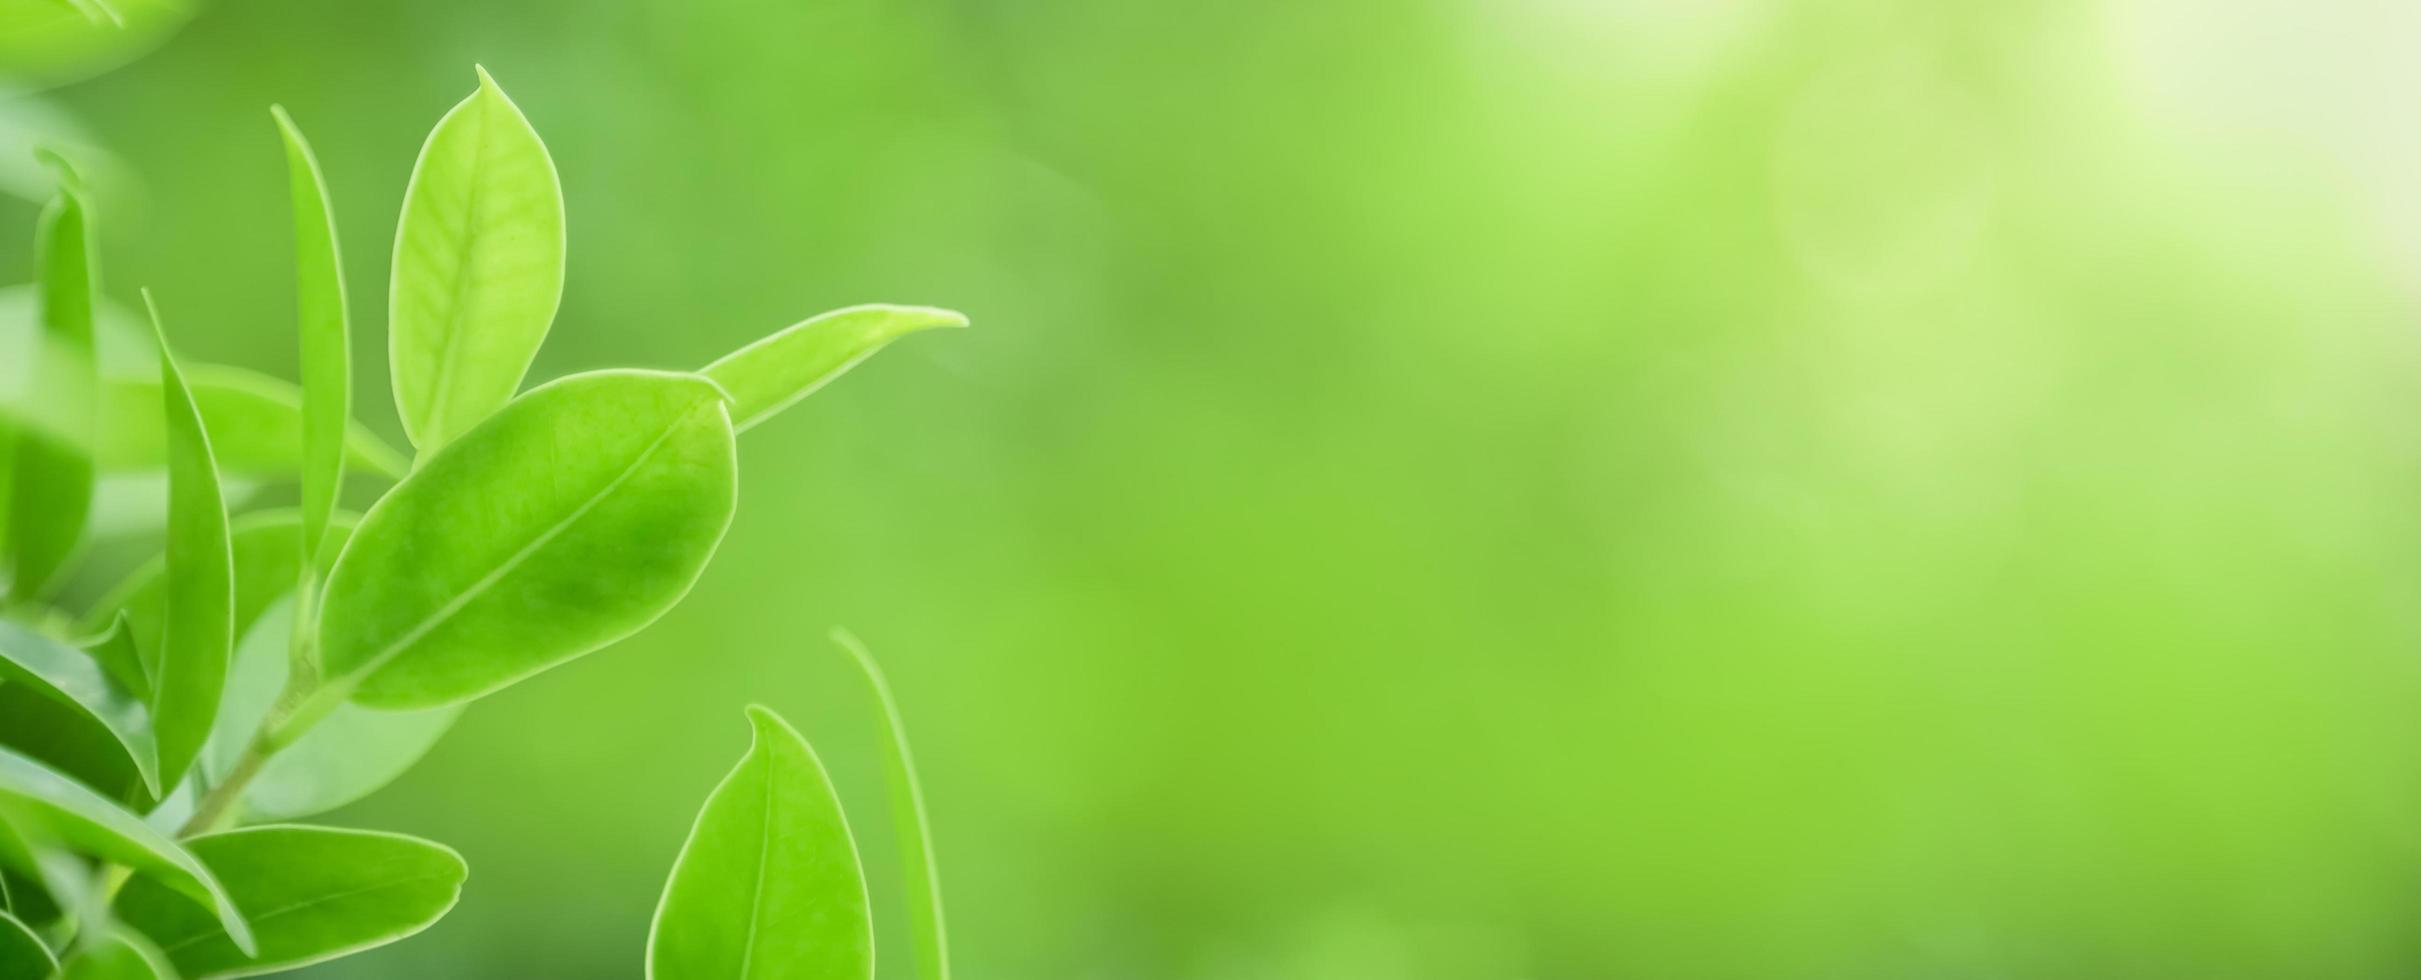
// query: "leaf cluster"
[[265, 667]]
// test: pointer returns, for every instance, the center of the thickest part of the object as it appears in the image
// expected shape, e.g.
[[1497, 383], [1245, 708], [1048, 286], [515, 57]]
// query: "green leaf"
[[255, 421], [327, 353], [118, 955], [346, 756], [478, 267], [190, 662], [774, 373], [913, 830], [311, 894], [22, 953], [50, 494], [569, 520], [768, 884], [40, 801], [70, 678], [267, 552]]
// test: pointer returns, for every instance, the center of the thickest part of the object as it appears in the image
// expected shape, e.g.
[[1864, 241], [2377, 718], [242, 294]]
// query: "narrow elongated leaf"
[[346, 756], [768, 885], [255, 421], [50, 489], [478, 267], [69, 677], [914, 831], [327, 351], [118, 955], [774, 373], [22, 953], [40, 801], [190, 663], [311, 894], [267, 560], [571, 519]]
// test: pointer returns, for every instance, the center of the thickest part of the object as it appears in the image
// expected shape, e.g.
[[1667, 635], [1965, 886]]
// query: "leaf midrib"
[[292, 907], [756, 897], [462, 277], [456, 605]]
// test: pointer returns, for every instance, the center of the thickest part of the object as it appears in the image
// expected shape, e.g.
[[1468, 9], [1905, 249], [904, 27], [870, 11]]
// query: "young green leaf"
[[42, 802], [910, 825], [255, 421], [118, 955], [327, 352], [569, 520], [774, 373], [22, 953], [311, 894], [478, 267], [345, 757], [189, 665], [70, 678], [50, 493], [768, 884]]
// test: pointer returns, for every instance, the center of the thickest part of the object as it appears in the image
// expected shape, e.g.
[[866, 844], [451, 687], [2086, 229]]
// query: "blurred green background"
[[1447, 488]]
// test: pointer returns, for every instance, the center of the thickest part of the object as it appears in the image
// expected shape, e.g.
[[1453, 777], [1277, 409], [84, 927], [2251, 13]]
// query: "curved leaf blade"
[[51, 486], [312, 894], [41, 801], [327, 352], [22, 953], [768, 884], [77, 681], [267, 561], [478, 267], [118, 955], [911, 825], [197, 634], [775, 373], [569, 520], [256, 424]]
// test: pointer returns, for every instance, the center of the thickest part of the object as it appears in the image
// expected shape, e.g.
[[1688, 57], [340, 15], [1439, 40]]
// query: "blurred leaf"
[[772, 374], [478, 267], [768, 884], [50, 42], [118, 955], [70, 677], [266, 552], [311, 894], [41, 801], [569, 520], [256, 425], [327, 355], [22, 953], [346, 756], [910, 826], [189, 664], [51, 487]]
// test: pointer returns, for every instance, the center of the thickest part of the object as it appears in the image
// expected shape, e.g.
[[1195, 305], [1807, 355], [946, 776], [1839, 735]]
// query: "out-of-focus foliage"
[[1453, 488]]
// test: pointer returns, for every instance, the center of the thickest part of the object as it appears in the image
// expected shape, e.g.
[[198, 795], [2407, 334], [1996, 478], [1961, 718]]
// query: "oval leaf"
[[311, 894], [42, 802], [478, 267], [22, 953], [327, 352], [71, 678], [774, 373], [255, 421], [51, 482], [570, 520], [197, 633], [768, 884]]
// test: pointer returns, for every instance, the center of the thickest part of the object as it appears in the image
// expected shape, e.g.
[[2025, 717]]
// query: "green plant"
[[271, 666]]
